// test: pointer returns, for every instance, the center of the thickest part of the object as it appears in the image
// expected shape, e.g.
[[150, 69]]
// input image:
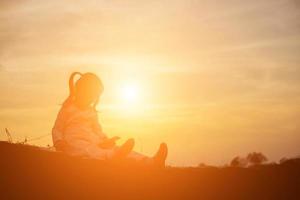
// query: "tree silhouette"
[[256, 158], [238, 162]]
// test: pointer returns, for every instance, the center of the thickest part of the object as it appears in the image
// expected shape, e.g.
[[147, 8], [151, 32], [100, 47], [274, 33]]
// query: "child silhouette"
[[77, 130]]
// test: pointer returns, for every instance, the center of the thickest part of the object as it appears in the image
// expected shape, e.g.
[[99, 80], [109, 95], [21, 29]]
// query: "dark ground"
[[27, 172]]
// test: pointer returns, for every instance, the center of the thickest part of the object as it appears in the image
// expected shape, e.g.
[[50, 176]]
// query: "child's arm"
[[98, 128], [105, 142]]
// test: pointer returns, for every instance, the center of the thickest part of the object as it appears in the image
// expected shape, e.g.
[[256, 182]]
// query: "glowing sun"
[[130, 93]]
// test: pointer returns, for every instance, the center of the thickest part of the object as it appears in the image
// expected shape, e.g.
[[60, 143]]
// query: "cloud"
[[232, 47], [206, 33]]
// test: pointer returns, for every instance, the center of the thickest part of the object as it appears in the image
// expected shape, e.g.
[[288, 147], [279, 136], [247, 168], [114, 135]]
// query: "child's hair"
[[86, 80]]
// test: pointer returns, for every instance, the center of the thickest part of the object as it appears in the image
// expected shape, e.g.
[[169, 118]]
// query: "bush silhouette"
[[256, 158]]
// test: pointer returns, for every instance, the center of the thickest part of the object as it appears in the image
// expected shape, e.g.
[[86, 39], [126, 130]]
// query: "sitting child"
[[78, 132]]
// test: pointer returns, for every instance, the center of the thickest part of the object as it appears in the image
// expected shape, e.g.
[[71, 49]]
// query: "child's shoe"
[[125, 149], [160, 157]]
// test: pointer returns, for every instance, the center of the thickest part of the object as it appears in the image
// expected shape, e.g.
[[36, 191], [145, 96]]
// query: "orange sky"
[[216, 79]]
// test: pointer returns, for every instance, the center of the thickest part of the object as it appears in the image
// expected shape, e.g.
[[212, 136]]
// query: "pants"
[[82, 148]]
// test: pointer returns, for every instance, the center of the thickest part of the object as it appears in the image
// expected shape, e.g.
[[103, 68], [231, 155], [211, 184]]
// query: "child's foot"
[[160, 157], [125, 149]]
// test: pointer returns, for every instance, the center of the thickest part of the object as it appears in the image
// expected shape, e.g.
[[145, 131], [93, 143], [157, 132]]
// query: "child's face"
[[85, 96], [87, 90]]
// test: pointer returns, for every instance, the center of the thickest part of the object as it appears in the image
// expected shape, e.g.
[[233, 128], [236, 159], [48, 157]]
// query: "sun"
[[130, 93], [131, 97]]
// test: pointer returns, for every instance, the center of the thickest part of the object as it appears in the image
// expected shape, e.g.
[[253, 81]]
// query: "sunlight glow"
[[130, 93]]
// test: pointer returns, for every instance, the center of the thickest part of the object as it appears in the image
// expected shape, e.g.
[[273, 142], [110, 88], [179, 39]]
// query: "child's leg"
[[157, 160], [137, 156], [99, 153], [104, 154], [117, 152]]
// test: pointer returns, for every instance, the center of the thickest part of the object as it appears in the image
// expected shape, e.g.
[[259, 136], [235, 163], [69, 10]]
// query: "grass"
[[28, 172]]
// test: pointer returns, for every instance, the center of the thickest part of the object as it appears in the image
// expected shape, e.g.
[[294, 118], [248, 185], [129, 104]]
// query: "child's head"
[[86, 90]]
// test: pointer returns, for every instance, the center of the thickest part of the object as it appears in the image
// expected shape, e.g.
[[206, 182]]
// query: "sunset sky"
[[213, 79]]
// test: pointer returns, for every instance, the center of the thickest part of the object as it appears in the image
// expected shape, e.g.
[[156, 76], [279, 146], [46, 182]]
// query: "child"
[[78, 132]]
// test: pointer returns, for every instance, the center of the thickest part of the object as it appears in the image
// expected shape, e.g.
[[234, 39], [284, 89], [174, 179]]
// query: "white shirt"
[[79, 128]]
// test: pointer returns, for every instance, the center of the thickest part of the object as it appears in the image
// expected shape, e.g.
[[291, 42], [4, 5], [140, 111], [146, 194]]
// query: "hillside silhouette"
[[28, 172]]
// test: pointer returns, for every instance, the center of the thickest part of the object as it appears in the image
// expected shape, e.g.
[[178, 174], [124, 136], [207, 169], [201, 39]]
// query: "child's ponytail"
[[71, 88]]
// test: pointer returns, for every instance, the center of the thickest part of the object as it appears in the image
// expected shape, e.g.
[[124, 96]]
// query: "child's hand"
[[109, 143]]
